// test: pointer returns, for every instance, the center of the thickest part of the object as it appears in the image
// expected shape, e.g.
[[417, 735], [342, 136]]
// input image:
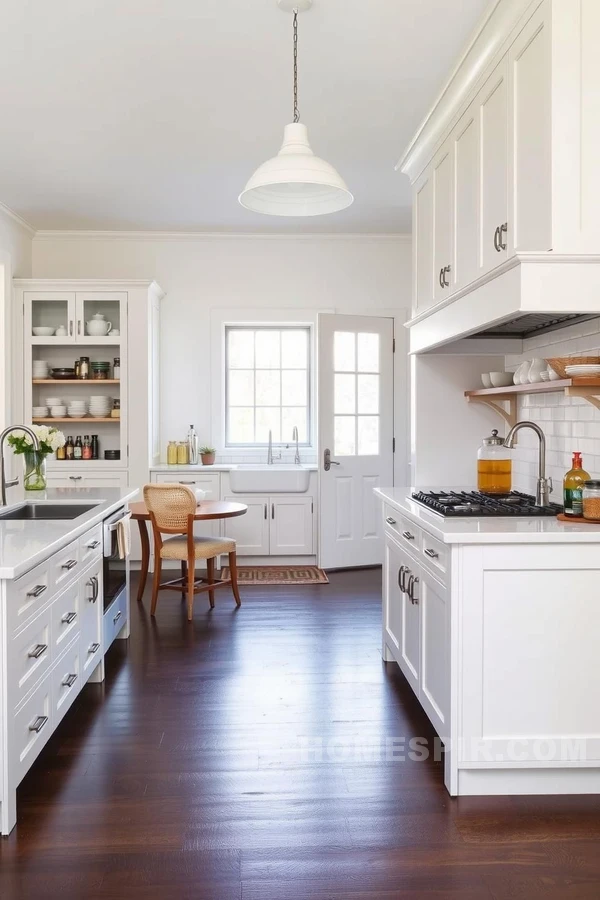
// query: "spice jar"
[[182, 453], [494, 466], [172, 453], [84, 367], [591, 500], [117, 368], [115, 412]]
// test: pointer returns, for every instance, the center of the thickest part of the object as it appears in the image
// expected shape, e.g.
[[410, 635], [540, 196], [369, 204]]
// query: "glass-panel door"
[[101, 316], [50, 316]]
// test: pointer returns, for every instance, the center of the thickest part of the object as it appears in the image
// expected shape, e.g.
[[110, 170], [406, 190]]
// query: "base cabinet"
[[276, 525], [251, 531]]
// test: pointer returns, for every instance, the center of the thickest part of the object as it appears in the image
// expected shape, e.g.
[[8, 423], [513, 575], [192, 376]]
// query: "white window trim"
[[220, 318]]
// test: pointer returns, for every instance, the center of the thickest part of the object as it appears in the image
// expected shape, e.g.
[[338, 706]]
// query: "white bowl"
[[43, 331], [54, 401], [58, 411], [501, 379], [554, 376], [485, 380]]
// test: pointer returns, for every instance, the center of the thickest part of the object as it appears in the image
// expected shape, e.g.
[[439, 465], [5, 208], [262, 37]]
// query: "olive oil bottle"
[[573, 487]]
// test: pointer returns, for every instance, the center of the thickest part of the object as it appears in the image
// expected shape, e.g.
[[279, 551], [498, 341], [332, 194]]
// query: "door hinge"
[[393, 345], [393, 445]]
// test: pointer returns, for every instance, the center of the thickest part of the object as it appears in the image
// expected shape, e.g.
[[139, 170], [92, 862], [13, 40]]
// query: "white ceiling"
[[152, 114]]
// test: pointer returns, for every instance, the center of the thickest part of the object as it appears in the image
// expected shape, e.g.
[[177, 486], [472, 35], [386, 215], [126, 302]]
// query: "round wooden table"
[[207, 509]]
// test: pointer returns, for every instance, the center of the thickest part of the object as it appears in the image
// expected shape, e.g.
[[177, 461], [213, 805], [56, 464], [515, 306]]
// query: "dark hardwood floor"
[[251, 755]]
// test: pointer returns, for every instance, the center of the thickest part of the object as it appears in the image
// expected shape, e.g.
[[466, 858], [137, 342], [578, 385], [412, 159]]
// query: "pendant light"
[[295, 182]]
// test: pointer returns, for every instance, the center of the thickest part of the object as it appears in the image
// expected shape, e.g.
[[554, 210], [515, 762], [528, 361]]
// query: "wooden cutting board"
[[577, 519]]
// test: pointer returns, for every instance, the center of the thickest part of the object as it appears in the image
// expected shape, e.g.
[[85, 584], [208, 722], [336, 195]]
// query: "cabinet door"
[[91, 590], [530, 169], [410, 648], [109, 308], [493, 120], [250, 531], [49, 309], [291, 526], [394, 560], [466, 202], [433, 599], [423, 242], [443, 229]]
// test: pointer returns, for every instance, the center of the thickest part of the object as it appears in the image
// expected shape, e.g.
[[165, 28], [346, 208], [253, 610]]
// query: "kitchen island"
[[54, 629], [495, 624]]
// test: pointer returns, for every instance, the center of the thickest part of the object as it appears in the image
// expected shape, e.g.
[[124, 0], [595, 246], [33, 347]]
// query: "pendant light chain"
[[296, 110]]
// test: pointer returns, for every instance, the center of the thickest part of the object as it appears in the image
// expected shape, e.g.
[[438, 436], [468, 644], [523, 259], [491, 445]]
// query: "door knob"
[[328, 462]]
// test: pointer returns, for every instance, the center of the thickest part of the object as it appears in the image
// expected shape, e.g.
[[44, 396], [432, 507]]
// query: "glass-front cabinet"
[[70, 317]]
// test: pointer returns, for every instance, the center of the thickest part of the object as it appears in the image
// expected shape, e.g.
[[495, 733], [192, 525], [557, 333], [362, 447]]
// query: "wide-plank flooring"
[[260, 754]]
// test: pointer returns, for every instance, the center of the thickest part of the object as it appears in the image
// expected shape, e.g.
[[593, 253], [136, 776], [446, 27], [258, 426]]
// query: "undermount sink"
[[47, 511], [265, 479]]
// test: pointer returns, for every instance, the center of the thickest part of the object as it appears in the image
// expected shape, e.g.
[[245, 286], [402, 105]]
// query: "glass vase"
[[35, 471]]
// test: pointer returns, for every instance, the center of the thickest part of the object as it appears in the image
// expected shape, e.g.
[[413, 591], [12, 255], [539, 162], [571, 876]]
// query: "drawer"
[[28, 594], [90, 545], [402, 529], [210, 484], [30, 656], [114, 619], [436, 554], [56, 479], [66, 682], [32, 726], [65, 617], [65, 565]]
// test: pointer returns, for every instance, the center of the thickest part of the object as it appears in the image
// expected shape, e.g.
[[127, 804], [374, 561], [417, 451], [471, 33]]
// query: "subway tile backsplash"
[[568, 423]]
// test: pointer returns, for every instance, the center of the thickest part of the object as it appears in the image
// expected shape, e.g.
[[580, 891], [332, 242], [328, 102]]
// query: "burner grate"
[[473, 503]]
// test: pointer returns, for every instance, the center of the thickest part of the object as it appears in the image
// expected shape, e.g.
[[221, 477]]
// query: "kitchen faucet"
[[3, 482], [297, 453], [544, 485], [270, 456]]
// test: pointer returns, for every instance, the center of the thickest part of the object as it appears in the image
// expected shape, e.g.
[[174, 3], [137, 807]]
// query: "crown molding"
[[200, 236], [19, 220]]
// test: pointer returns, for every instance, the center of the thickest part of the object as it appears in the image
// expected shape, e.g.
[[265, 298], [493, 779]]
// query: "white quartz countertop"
[[25, 544], [542, 530], [224, 467]]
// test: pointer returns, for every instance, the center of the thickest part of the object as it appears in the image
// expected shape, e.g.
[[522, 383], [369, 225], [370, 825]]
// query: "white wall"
[[15, 261], [341, 273]]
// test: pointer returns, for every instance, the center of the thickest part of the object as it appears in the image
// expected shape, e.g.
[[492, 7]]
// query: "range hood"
[[531, 324]]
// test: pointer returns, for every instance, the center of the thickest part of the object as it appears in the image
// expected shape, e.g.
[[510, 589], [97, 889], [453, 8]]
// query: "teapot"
[[98, 325]]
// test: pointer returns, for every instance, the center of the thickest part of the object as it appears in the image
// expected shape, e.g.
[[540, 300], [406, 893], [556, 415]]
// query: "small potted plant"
[[207, 455], [50, 440]]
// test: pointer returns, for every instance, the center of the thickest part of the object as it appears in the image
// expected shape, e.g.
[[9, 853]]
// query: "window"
[[356, 393], [267, 384]]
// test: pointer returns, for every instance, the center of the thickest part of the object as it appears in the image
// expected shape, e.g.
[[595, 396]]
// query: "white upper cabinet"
[[423, 241], [443, 228], [493, 119], [466, 187]]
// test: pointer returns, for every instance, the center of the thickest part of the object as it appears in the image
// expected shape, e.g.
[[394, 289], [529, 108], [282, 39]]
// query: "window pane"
[[368, 393], [294, 349], [344, 394], [241, 387], [290, 416], [368, 435], [267, 418], [268, 392], [267, 350], [344, 436], [241, 349], [368, 352], [293, 388], [344, 351], [241, 425]]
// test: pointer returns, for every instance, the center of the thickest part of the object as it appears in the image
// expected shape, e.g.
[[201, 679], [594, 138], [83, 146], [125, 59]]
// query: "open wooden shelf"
[[588, 388], [89, 419], [58, 381]]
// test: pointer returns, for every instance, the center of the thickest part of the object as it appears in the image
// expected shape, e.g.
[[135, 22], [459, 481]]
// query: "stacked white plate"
[[100, 407], [58, 412], [40, 368], [54, 401], [77, 409], [583, 370], [40, 412]]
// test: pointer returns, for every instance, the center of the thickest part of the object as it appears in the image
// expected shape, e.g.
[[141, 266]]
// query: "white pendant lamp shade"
[[295, 182]]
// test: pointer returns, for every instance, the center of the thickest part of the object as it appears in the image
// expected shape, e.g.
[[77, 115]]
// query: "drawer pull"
[[408, 536], [93, 545], [38, 724], [117, 617], [37, 651], [70, 564], [390, 521], [38, 590], [187, 482], [70, 680], [411, 589], [431, 553], [69, 617], [75, 477], [94, 648], [93, 583]]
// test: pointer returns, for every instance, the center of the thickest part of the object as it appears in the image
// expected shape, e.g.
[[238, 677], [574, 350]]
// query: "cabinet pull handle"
[[117, 617], [75, 477], [187, 482], [403, 571], [93, 583], [69, 617], [78, 326], [497, 239], [37, 651], [37, 590], [94, 648], [446, 269], [502, 230], [431, 553], [93, 545], [265, 510], [413, 581], [70, 327], [390, 521], [70, 680], [272, 510], [408, 536], [38, 724], [408, 588], [70, 564], [440, 278]]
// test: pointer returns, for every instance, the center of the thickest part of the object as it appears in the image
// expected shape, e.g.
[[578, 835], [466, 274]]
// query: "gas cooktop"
[[473, 503]]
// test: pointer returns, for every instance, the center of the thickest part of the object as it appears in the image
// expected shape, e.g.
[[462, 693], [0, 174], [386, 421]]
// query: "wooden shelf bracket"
[[497, 404]]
